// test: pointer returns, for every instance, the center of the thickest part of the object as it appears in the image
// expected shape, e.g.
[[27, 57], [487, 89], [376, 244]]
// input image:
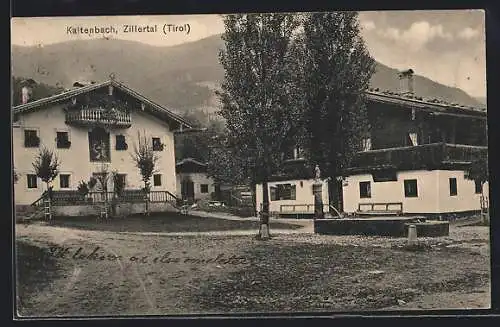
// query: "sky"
[[447, 46]]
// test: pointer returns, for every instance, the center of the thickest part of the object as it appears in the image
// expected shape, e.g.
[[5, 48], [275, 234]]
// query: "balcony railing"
[[99, 116], [427, 156]]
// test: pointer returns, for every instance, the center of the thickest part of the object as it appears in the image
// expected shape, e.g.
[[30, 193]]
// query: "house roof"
[[154, 108], [434, 106], [191, 161]]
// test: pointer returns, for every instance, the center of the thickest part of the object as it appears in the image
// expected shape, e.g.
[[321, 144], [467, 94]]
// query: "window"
[[413, 139], [62, 140], [157, 145], [204, 188], [453, 186], [478, 186], [120, 143], [410, 186], [64, 181], [31, 139], [157, 180], [283, 192], [298, 152], [99, 145], [365, 190], [32, 181]]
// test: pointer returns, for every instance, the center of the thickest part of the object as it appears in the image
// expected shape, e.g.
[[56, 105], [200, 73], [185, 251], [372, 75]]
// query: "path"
[[228, 216]]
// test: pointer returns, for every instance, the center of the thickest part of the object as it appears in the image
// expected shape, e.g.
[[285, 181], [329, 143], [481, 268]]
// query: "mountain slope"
[[181, 77]]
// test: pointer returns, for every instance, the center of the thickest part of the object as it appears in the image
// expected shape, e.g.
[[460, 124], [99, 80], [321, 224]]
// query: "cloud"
[[468, 33], [417, 35], [368, 25]]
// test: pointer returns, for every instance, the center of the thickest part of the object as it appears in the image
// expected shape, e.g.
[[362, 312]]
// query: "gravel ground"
[[288, 273]]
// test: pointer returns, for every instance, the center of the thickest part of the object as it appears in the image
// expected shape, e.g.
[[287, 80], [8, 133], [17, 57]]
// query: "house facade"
[[291, 192], [193, 183], [414, 159], [92, 128]]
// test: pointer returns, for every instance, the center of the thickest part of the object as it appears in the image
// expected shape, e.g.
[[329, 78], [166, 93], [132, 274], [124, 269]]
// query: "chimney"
[[26, 90], [406, 82]]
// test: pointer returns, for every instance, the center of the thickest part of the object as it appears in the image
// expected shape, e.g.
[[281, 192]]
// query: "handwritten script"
[[98, 254]]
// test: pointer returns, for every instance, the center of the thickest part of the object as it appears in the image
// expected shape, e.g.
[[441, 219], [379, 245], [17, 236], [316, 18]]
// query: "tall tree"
[[336, 73], [256, 93]]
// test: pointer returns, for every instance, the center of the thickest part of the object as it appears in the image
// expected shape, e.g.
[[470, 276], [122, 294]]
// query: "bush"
[[83, 188]]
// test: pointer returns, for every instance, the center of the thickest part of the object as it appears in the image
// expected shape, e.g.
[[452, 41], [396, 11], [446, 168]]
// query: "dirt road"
[[105, 273]]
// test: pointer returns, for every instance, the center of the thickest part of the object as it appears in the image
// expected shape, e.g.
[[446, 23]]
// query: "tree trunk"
[[318, 200], [146, 198], [264, 213]]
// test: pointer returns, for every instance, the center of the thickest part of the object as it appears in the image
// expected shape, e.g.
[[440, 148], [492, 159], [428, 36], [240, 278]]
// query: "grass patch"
[[164, 222], [35, 269], [337, 278]]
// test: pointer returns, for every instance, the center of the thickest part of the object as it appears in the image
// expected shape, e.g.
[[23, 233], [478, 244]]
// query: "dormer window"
[[31, 139]]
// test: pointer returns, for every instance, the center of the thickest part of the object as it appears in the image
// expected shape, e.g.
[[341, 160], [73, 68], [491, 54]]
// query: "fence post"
[[412, 235]]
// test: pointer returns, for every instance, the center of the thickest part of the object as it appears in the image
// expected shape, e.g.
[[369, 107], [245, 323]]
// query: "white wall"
[[465, 200], [75, 160], [433, 192], [304, 194], [197, 179]]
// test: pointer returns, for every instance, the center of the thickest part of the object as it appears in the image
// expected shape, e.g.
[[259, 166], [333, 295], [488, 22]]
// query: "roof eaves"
[[391, 98], [153, 104], [58, 97], [185, 160]]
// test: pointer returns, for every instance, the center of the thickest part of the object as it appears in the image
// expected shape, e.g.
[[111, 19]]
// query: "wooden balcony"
[[97, 116], [426, 156]]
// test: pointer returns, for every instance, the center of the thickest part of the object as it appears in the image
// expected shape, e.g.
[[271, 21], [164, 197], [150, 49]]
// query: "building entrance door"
[[187, 190]]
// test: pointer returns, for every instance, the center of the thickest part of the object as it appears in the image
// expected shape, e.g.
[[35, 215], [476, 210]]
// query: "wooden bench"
[[380, 209], [298, 210]]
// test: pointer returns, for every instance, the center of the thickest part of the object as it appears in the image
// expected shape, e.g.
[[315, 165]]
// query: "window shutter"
[[293, 192], [272, 193]]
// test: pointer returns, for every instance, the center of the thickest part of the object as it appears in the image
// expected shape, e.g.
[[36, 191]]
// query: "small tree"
[[83, 188], [46, 166], [103, 177], [145, 160], [91, 183], [478, 171]]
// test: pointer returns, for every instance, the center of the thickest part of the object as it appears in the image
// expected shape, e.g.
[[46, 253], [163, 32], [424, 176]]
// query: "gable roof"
[[191, 161], [154, 108], [434, 106]]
